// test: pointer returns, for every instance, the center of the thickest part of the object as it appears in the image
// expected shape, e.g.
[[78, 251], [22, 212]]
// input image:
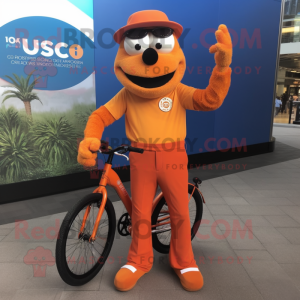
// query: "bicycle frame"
[[111, 178]]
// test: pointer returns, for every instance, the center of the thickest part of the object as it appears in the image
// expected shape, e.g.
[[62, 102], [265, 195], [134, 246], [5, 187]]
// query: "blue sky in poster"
[[85, 6]]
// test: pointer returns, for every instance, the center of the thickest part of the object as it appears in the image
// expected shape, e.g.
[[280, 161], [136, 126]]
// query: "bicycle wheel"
[[78, 261], [161, 235]]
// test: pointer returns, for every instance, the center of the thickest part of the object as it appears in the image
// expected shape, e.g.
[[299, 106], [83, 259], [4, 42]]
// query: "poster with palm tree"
[[38, 139], [47, 87]]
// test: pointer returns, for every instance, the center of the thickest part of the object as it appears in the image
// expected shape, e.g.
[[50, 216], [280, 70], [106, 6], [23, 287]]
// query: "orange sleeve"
[[185, 95], [213, 96], [117, 105], [105, 115], [97, 121]]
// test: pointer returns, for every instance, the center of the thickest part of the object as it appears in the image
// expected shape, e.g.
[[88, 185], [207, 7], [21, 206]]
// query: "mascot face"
[[150, 62]]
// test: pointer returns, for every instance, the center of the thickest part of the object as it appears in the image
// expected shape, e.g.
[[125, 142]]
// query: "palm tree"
[[23, 92]]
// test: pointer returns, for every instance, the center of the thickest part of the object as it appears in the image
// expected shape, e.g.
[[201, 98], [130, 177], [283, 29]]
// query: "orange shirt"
[[154, 121]]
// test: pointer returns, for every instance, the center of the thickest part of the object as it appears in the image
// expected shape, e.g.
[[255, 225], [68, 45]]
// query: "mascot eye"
[[162, 45], [136, 46]]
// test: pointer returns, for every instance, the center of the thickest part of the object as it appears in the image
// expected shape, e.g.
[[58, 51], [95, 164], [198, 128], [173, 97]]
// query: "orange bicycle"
[[87, 232]]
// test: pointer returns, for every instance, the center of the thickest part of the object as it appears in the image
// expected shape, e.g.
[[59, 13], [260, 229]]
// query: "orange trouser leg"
[[173, 180], [143, 187]]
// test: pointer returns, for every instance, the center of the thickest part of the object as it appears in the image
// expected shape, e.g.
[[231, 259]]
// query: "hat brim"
[[175, 26]]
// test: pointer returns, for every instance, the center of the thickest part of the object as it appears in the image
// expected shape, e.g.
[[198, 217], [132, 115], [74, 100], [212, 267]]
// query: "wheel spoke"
[[83, 249]]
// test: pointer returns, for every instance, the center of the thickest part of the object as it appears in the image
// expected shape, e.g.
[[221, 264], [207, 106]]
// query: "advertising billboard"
[[47, 88], [57, 67]]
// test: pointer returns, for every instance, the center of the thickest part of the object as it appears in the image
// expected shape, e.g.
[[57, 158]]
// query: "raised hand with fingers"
[[86, 157], [213, 96], [222, 49]]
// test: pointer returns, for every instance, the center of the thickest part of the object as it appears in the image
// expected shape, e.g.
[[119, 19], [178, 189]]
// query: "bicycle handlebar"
[[137, 150], [123, 149]]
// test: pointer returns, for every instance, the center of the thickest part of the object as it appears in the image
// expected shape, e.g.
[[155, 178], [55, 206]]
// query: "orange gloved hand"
[[222, 49], [85, 155]]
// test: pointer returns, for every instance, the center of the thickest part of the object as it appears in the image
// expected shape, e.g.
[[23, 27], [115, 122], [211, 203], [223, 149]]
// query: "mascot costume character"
[[150, 65]]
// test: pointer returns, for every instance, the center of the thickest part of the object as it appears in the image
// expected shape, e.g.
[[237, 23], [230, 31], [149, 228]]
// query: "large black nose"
[[150, 57]]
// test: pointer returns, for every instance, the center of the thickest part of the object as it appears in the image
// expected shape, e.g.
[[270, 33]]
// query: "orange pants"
[[166, 166]]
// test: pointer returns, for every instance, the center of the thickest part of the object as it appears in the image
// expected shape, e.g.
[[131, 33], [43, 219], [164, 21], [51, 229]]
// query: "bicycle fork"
[[101, 190]]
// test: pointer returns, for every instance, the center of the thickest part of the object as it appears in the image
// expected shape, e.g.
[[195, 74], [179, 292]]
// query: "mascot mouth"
[[150, 83]]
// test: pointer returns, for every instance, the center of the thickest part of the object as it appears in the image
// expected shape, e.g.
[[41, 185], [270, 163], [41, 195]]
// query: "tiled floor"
[[248, 248], [282, 117]]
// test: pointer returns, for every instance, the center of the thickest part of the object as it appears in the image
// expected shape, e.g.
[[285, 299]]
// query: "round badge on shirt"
[[165, 104]]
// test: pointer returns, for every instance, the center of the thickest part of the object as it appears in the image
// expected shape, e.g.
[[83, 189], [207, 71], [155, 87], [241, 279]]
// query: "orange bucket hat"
[[148, 18]]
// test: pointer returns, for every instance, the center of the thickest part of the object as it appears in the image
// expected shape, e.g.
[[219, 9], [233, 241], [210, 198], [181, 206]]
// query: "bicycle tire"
[[165, 247], [61, 258]]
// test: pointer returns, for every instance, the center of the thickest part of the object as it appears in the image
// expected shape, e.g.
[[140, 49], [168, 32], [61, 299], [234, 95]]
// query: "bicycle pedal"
[[129, 228]]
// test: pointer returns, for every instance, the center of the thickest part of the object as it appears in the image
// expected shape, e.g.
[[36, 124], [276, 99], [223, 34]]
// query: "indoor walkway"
[[259, 260], [282, 117]]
